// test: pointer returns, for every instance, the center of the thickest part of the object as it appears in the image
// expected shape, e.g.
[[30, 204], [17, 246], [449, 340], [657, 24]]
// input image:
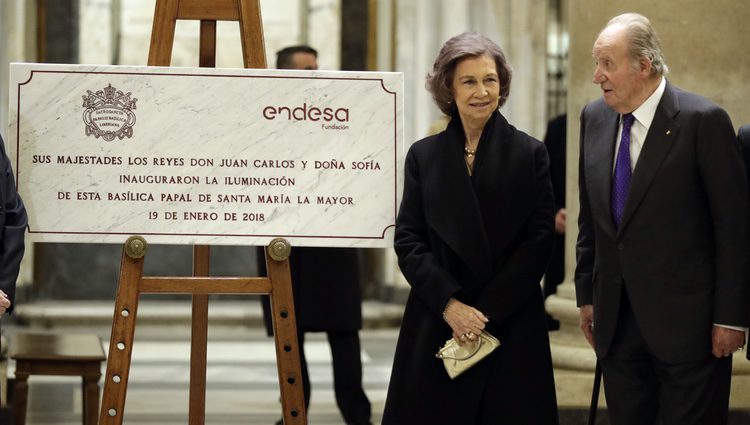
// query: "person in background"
[[297, 57], [13, 220], [473, 237], [327, 297], [662, 262], [554, 141]]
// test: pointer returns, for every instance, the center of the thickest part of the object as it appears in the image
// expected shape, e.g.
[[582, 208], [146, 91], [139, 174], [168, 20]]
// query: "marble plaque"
[[207, 156]]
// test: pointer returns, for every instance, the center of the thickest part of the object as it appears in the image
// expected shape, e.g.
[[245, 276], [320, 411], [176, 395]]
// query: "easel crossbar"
[[215, 10], [205, 285]]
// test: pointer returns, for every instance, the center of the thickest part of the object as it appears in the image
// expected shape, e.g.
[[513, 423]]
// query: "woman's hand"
[[466, 321]]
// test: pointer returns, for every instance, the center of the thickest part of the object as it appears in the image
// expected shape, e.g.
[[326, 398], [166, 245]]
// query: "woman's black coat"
[[484, 239]]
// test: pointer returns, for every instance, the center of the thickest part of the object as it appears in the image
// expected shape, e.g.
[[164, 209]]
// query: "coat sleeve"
[[744, 138], [515, 283], [585, 245], [14, 226], [726, 187], [429, 281]]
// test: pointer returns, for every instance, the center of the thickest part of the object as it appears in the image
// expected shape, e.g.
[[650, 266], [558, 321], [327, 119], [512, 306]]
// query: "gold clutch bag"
[[458, 358]]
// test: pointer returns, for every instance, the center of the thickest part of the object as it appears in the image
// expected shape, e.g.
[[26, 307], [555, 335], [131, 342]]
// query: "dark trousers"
[[641, 390], [347, 376]]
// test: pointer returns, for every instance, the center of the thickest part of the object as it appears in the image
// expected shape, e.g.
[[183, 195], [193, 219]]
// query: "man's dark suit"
[[12, 225], [744, 137], [677, 264]]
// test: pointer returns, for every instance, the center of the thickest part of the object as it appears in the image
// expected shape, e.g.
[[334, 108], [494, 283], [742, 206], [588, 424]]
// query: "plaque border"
[[396, 166]]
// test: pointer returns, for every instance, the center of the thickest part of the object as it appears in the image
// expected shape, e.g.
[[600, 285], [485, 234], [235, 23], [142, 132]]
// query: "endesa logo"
[[306, 113]]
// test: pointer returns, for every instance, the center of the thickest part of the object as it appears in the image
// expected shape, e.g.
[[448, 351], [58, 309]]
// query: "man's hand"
[[725, 341], [4, 302], [587, 322], [560, 221]]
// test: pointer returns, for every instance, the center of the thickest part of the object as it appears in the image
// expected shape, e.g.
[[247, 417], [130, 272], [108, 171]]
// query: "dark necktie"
[[623, 172]]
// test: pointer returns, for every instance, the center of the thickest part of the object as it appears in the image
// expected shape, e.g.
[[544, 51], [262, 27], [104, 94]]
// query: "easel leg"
[[285, 338], [121, 341], [199, 341], [251, 34], [162, 33]]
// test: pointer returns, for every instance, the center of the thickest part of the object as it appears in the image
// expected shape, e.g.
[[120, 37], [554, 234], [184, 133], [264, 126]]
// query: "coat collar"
[[454, 212]]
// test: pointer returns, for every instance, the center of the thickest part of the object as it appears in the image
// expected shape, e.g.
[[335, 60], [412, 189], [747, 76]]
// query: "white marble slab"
[[207, 156]]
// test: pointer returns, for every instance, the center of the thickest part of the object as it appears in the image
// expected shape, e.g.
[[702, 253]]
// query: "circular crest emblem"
[[109, 113]]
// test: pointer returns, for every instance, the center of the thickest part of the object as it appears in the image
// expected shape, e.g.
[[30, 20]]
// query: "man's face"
[[622, 79], [304, 61]]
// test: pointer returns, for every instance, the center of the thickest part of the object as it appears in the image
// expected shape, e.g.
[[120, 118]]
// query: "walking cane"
[[595, 393]]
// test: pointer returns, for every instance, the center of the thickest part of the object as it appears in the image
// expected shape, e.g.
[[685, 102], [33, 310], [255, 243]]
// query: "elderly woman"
[[473, 237]]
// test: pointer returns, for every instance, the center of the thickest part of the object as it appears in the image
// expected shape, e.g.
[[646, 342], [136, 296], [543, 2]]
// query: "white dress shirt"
[[644, 116]]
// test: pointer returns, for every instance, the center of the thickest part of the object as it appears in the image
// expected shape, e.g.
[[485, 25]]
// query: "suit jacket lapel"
[[599, 163], [658, 142], [452, 208]]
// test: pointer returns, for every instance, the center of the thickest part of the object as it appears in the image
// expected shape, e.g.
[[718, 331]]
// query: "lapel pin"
[[669, 132]]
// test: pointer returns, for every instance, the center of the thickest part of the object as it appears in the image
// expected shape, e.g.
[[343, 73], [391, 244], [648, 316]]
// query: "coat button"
[[620, 247], [618, 280]]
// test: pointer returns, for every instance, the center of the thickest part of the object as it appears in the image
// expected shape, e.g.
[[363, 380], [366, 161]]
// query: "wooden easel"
[[132, 283]]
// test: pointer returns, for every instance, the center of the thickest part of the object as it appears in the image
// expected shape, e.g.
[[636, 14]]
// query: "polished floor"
[[242, 384]]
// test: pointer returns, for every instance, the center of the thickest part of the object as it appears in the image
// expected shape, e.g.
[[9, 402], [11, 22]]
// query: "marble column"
[[97, 31], [354, 35], [702, 42]]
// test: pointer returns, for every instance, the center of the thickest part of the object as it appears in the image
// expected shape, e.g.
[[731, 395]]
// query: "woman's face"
[[476, 89]]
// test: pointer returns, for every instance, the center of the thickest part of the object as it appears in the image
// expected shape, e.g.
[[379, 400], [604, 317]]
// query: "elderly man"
[[661, 276], [743, 135]]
